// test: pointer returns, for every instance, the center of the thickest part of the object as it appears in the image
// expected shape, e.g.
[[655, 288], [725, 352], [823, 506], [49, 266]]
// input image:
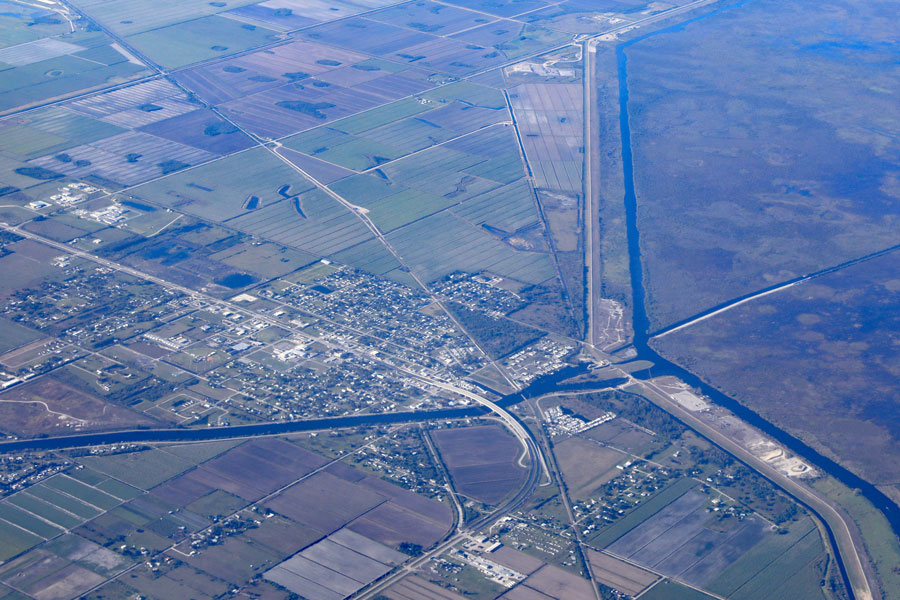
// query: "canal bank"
[[662, 366]]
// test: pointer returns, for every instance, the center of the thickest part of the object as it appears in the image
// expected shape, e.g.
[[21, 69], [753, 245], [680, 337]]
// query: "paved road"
[[835, 521]]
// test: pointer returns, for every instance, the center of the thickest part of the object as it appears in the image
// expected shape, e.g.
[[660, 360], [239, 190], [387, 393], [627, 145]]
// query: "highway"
[[517, 429], [511, 504], [825, 511], [536, 463]]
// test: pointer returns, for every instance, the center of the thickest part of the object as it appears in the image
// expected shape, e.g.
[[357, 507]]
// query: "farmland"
[[356, 242], [481, 461]]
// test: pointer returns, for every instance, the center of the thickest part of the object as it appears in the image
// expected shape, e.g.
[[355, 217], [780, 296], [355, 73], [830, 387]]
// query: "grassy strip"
[[758, 558], [880, 541]]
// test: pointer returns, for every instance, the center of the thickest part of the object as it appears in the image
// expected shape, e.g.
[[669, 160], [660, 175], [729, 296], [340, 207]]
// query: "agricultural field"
[[51, 68], [234, 186], [481, 461], [229, 511]]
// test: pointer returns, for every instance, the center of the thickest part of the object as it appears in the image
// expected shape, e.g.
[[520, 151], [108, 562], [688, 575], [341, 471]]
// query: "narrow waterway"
[[540, 386], [662, 366]]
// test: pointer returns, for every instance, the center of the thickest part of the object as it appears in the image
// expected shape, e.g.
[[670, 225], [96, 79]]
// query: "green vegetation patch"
[[671, 590], [60, 500], [144, 469], [382, 115], [13, 335], [202, 452], [83, 492], [14, 541], [361, 154], [19, 517], [200, 39], [409, 205], [44, 510]]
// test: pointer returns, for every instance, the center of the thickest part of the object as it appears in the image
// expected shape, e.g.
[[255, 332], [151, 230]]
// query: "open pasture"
[[619, 574], [681, 541], [59, 77], [368, 139], [319, 170], [200, 39], [13, 335], [264, 69], [143, 470], [586, 465], [405, 207], [501, 8], [22, 23], [49, 576], [312, 222], [414, 588], [509, 208], [551, 583], [363, 35], [294, 14], [761, 562], [50, 130], [457, 246], [512, 39], [127, 17], [588, 16], [280, 111], [273, 14], [419, 42], [37, 51], [373, 257], [223, 189], [47, 405]]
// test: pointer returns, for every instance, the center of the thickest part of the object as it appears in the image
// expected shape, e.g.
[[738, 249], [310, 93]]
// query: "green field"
[[14, 541], [220, 190], [60, 500], [126, 17], [881, 542], [13, 335], [360, 154], [200, 39], [59, 77], [82, 492], [409, 205], [141, 469], [202, 452], [783, 571], [217, 503], [24, 520], [383, 115], [44, 510], [52, 130], [759, 557], [671, 590], [19, 24]]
